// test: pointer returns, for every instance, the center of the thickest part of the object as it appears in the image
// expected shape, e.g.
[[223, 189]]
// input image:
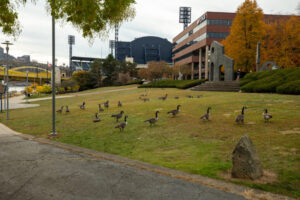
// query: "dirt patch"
[[268, 177], [251, 123], [227, 115], [276, 148], [289, 132], [284, 153], [294, 150], [250, 194], [287, 101]]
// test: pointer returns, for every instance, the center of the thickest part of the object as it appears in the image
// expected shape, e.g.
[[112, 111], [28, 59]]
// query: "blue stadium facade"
[[145, 49]]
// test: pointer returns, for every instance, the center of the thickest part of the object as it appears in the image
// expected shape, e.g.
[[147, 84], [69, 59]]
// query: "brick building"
[[191, 46]]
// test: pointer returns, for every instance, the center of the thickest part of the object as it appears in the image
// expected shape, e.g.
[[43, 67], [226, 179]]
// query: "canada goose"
[[82, 107], [240, 118], [163, 98], [106, 104], [119, 104], [67, 109], [174, 112], [153, 120], [100, 108], [266, 115], [199, 96], [207, 115], [176, 97], [189, 96], [60, 110], [144, 99], [118, 116], [122, 125], [97, 119]]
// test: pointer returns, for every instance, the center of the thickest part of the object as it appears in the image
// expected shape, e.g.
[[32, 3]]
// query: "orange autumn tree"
[[282, 42], [247, 29]]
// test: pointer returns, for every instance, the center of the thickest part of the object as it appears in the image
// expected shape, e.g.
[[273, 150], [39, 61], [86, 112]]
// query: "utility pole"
[[27, 86], [7, 43], [53, 133]]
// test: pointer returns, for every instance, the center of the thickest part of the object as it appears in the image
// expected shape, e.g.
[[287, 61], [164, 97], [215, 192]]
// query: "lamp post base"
[[53, 134]]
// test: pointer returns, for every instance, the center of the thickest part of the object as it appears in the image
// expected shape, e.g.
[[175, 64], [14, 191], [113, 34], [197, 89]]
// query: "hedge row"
[[135, 82], [181, 84], [285, 81]]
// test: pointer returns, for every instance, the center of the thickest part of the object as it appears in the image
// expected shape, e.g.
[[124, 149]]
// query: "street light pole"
[[7, 43], [26, 86], [53, 76]]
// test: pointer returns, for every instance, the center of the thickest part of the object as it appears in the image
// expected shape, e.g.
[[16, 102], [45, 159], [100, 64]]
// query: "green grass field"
[[185, 142]]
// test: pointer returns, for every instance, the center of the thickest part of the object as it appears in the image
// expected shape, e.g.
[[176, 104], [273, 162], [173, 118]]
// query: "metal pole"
[[47, 71], [4, 94], [53, 76], [26, 87], [1, 102], [7, 80]]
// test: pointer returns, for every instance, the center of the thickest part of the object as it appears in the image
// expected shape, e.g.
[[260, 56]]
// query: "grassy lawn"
[[185, 142], [35, 96]]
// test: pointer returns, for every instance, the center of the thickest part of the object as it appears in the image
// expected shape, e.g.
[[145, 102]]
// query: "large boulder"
[[245, 162]]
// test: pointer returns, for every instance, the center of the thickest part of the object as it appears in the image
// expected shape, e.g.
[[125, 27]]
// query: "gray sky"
[[153, 17]]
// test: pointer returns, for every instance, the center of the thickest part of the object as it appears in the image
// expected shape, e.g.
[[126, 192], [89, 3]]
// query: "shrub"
[[39, 89], [69, 85], [47, 89], [181, 84], [84, 79], [135, 82], [123, 78], [75, 88], [269, 81], [292, 87], [61, 90], [29, 90]]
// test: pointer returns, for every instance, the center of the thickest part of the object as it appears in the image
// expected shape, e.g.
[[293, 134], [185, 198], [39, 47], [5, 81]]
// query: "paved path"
[[19, 101], [41, 170]]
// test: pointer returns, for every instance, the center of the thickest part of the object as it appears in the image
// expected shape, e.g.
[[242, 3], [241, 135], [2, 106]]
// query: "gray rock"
[[245, 162]]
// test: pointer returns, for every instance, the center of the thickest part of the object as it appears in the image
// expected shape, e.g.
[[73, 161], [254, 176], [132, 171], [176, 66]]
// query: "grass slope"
[[185, 142]]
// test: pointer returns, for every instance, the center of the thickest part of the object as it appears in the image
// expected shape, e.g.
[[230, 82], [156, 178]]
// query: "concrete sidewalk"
[[33, 168], [19, 102]]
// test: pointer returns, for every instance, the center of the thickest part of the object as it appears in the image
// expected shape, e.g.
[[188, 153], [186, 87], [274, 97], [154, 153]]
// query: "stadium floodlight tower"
[[185, 16], [116, 40], [71, 41], [112, 46]]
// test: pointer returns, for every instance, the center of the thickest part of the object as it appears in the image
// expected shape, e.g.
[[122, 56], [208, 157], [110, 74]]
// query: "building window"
[[219, 22], [217, 35]]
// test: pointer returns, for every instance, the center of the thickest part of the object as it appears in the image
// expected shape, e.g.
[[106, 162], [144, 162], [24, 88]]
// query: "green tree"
[[247, 29], [92, 17], [110, 68], [128, 67], [84, 79], [96, 71]]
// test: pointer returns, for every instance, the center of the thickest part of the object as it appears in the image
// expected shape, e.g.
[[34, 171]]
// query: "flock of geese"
[[152, 121]]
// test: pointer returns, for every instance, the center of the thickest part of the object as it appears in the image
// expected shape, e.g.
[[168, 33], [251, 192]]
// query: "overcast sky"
[[153, 18]]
